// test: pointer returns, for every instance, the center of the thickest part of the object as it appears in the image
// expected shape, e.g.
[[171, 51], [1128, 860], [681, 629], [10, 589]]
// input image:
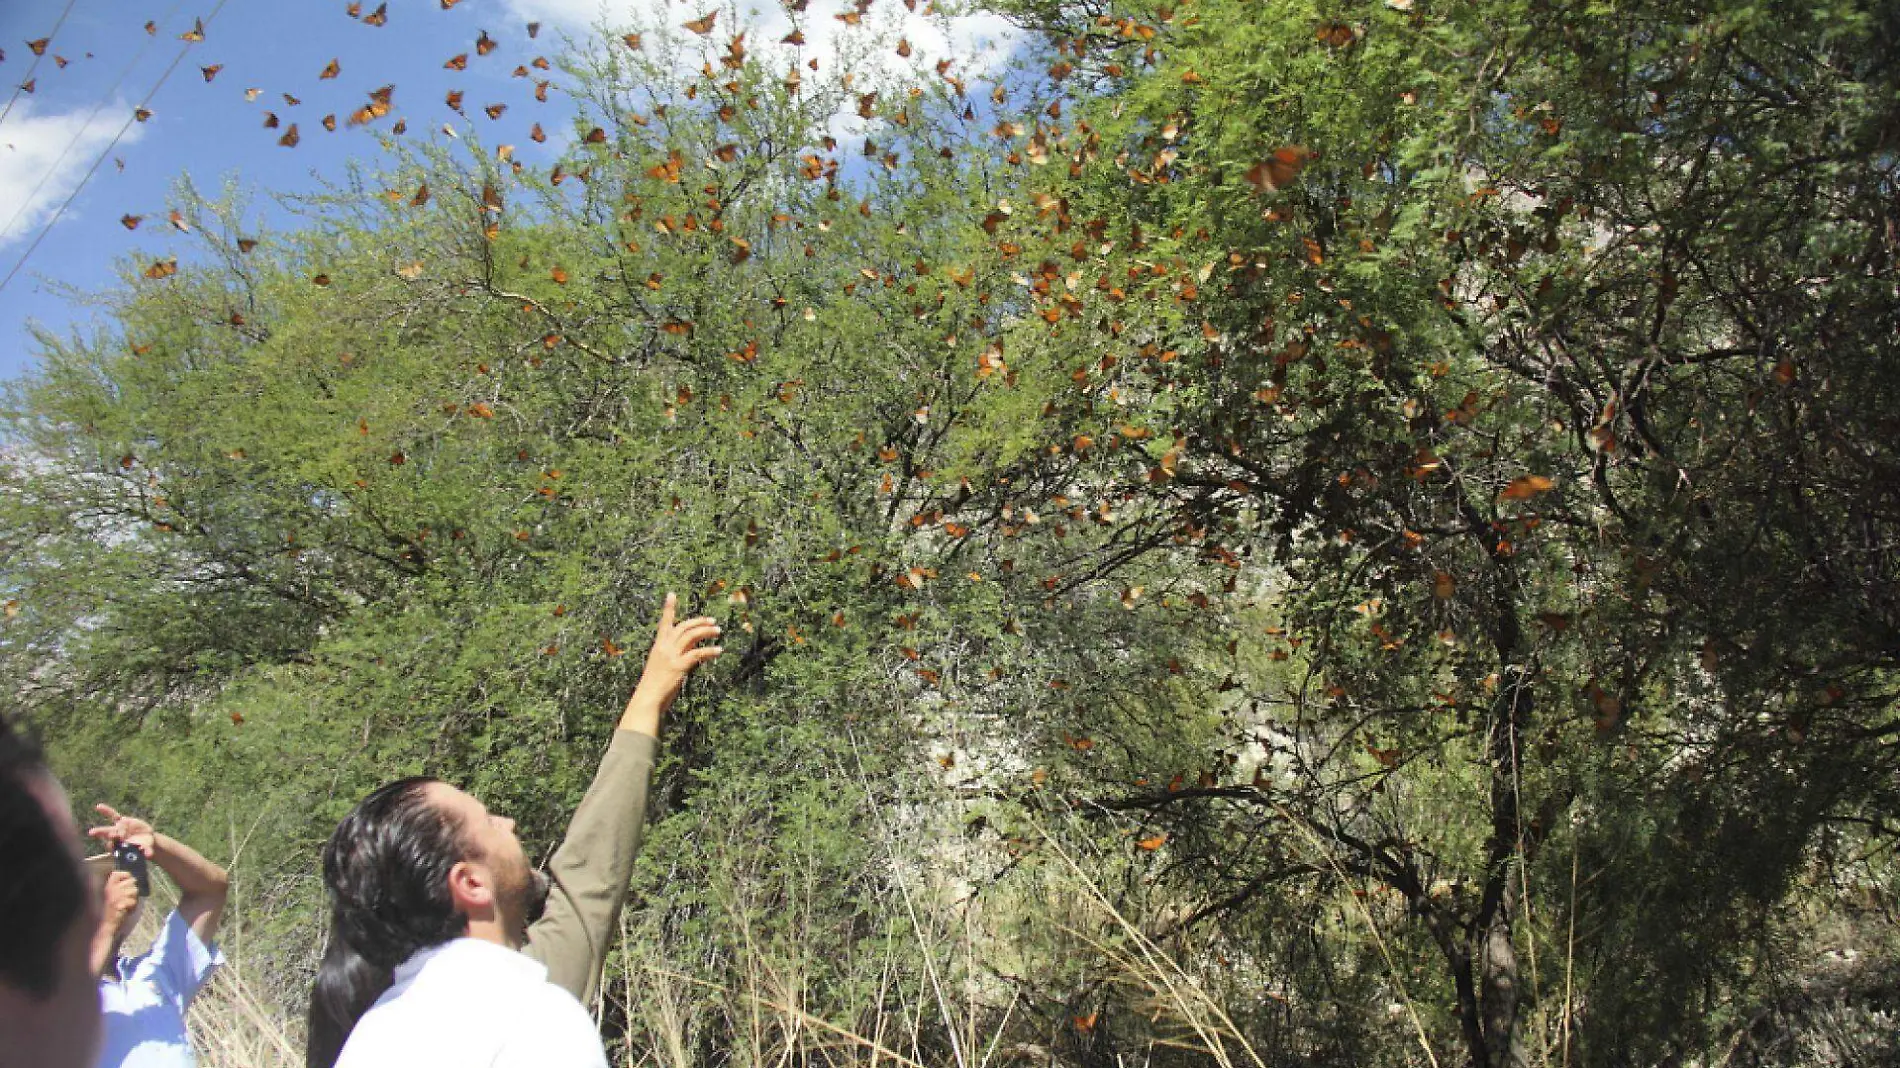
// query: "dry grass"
[[932, 999], [232, 1027]]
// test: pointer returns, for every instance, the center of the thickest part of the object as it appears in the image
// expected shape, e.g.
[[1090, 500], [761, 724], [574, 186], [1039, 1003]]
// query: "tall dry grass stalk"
[[233, 1027], [1359, 908], [1172, 992]]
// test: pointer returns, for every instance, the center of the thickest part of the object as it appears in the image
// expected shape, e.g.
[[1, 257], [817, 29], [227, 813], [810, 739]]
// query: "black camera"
[[127, 857]]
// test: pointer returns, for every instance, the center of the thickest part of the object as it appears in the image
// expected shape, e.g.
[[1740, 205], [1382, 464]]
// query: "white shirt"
[[473, 1004]]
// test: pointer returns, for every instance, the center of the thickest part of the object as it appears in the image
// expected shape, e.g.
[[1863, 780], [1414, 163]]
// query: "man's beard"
[[521, 897]]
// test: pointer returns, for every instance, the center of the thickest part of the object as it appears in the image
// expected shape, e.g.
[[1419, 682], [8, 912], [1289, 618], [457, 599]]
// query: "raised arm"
[[590, 871], [121, 898], [202, 885]]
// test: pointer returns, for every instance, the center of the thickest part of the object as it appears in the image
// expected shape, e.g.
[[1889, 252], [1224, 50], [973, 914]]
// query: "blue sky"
[[209, 132]]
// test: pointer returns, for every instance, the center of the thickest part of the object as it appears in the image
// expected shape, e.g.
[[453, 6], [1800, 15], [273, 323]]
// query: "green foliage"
[[1265, 534]]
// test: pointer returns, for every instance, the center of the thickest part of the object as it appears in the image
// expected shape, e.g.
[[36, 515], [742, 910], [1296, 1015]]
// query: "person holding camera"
[[446, 947], [144, 998]]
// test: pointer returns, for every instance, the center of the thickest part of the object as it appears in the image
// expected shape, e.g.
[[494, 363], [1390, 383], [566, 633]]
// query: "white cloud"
[[578, 13], [863, 52], [978, 41], [44, 156]]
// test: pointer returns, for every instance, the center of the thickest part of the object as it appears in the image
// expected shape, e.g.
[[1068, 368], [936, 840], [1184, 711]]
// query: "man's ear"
[[471, 888]]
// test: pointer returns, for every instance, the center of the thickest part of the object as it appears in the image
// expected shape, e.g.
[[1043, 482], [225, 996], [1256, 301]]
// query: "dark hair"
[[43, 893], [387, 869]]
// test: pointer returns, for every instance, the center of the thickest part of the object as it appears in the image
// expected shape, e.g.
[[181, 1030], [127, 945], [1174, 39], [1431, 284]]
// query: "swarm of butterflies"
[[1280, 170]]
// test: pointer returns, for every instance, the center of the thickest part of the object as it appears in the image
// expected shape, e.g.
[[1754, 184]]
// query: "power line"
[[103, 153], [35, 65], [80, 131]]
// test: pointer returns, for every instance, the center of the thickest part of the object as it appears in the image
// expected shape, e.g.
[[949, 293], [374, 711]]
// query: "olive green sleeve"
[[593, 866]]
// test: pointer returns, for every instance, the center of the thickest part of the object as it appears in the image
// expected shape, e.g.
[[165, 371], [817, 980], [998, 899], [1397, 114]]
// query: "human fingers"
[[696, 621], [121, 892], [692, 632], [107, 811], [696, 657], [666, 612]]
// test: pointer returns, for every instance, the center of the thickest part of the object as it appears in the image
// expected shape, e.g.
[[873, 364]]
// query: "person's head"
[[415, 864], [49, 1003]]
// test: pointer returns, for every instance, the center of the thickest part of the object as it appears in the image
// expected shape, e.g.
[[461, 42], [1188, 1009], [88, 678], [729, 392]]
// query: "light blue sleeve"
[[180, 962]]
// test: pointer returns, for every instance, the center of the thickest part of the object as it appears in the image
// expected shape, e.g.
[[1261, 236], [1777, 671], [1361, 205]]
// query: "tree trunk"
[[1495, 953], [1499, 986]]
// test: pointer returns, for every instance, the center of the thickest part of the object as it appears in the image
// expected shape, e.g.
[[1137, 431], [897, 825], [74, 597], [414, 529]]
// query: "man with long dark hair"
[[446, 947]]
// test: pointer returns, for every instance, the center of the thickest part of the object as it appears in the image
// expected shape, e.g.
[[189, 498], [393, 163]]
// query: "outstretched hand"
[[676, 651], [124, 829]]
